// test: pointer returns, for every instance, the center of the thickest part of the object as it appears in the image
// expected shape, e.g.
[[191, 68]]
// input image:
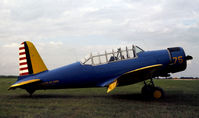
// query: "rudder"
[[30, 61]]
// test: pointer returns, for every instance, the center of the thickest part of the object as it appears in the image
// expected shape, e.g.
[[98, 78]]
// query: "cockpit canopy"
[[108, 56]]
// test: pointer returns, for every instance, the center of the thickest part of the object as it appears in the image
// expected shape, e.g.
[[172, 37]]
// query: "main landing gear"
[[149, 91]]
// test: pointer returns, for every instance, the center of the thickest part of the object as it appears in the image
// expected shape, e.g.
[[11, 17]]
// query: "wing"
[[134, 76], [138, 75], [24, 82]]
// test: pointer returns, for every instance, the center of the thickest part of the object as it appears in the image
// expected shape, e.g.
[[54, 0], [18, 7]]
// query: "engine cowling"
[[178, 59]]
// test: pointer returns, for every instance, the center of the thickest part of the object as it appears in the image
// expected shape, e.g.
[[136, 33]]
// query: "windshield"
[[138, 49]]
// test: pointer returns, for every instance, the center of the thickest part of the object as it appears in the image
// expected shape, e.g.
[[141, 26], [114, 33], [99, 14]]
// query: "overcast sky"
[[64, 31]]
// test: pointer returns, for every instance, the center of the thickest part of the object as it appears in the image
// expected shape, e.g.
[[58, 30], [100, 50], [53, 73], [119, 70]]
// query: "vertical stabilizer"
[[30, 61]]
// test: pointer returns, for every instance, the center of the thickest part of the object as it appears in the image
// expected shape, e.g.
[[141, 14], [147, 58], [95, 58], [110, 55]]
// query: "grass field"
[[181, 101]]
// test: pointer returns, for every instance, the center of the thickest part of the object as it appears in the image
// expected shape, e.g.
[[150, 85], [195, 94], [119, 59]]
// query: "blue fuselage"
[[77, 75]]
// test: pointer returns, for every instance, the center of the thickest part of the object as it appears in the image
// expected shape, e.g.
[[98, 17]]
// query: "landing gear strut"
[[150, 91]]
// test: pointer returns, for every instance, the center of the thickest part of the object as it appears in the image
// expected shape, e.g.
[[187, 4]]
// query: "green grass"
[[181, 101]]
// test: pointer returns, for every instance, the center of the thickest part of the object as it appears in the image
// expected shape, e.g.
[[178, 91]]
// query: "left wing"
[[134, 76]]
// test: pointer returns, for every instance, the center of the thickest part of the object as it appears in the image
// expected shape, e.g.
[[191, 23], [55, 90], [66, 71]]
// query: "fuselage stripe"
[[144, 68]]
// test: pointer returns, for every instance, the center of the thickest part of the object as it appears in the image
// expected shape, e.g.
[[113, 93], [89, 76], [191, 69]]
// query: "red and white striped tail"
[[23, 65]]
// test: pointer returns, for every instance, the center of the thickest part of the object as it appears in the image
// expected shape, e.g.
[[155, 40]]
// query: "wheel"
[[151, 92], [158, 93]]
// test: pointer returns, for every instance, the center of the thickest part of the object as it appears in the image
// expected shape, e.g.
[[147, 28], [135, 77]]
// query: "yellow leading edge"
[[36, 61]]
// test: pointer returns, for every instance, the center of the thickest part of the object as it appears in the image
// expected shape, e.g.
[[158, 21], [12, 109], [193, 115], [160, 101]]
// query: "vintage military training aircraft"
[[123, 66]]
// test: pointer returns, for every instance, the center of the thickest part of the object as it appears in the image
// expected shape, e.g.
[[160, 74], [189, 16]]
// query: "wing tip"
[[112, 86]]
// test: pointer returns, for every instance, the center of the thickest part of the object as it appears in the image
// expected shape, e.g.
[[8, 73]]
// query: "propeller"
[[188, 57]]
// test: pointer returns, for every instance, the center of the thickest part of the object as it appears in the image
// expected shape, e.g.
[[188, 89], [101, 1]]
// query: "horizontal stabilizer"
[[24, 82]]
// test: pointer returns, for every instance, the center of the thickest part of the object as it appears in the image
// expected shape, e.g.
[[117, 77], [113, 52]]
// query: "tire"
[[150, 92], [158, 93]]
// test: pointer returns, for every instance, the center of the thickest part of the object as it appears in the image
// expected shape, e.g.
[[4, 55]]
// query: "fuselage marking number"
[[178, 59]]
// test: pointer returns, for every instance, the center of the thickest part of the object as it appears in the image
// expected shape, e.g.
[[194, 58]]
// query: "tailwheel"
[[149, 91], [30, 91]]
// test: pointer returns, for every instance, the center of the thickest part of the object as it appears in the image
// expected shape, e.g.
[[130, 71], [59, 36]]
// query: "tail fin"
[[30, 61]]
